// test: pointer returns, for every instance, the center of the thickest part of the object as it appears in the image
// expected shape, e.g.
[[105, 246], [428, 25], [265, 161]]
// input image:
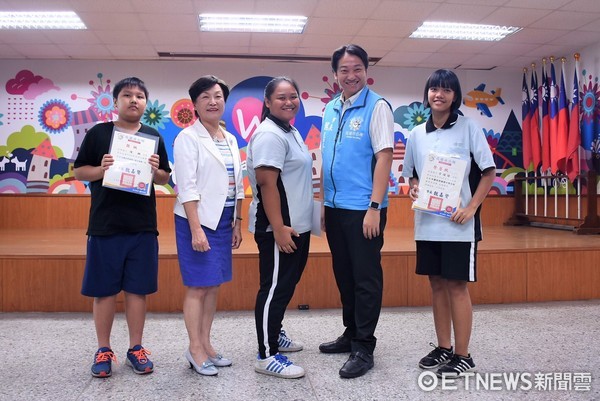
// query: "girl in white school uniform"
[[447, 247]]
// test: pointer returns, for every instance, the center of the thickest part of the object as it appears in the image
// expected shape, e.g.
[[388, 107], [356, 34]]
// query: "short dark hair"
[[355, 50], [444, 79], [128, 83], [270, 88], [203, 84]]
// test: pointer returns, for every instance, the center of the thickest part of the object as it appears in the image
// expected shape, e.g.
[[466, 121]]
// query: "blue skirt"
[[210, 268]]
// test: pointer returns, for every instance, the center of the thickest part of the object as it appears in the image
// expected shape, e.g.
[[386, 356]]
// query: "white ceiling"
[[140, 29]]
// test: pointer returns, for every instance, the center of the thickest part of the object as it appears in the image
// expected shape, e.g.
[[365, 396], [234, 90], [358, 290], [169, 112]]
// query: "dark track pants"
[[279, 274]]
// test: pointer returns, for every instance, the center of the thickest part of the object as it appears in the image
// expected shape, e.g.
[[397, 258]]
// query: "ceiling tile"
[[512, 16], [111, 21], [323, 41], [163, 7], [420, 45], [583, 5], [289, 41], [333, 26], [8, 51], [304, 7], [40, 51], [404, 10], [74, 37], [387, 28], [174, 38], [225, 38], [540, 4], [85, 51], [128, 52], [469, 13], [118, 38], [225, 7], [343, 9], [565, 20], [170, 22], [104, 6]]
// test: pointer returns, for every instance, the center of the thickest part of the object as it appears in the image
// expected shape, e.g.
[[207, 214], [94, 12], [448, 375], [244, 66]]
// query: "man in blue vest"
[[357, 140]]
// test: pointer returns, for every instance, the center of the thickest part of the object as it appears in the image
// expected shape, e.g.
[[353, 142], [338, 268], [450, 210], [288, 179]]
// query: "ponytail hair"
[[270, 88]]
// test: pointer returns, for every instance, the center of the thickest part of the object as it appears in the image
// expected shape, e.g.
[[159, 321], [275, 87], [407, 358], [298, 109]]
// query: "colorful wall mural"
[[47, 106]]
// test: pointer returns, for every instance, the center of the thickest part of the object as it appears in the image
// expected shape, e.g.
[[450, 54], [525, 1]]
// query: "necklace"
[[218, 136]]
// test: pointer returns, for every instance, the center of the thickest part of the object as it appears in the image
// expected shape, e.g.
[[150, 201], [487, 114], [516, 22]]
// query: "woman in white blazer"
[[207, 216]]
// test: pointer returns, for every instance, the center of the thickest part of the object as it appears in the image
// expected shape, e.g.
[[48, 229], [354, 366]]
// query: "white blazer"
[[201, 174]]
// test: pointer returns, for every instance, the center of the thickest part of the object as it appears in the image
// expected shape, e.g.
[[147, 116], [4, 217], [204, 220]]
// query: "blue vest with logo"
[[347, 155]]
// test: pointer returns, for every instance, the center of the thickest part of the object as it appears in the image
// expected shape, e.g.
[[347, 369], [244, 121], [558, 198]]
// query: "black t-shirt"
[[113, 211]]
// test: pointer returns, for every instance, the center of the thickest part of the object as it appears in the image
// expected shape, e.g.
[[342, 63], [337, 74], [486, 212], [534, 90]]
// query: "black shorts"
[[450, 260]]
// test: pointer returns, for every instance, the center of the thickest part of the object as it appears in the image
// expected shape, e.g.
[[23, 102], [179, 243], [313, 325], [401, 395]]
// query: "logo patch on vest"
[[355, 123]]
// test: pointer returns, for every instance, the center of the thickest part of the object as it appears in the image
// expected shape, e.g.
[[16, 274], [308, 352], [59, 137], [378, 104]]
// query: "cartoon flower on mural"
[[155, 115], [588, 99], [589, 120], [330, 92], [55, 116], [102, 102], [182, 113], [412, 115]]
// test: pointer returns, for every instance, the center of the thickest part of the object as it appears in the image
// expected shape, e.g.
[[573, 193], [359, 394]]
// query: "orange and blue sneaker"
[[137, 358], [102, 366]]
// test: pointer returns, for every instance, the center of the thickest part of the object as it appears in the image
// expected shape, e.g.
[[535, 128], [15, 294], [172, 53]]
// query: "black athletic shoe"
[[437, 357], [456, 366]]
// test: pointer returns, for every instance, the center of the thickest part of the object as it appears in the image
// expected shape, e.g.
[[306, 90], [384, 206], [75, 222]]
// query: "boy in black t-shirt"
[[122, 247]]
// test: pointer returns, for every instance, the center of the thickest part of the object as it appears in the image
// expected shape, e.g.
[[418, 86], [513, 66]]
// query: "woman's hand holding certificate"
[[439, 185]]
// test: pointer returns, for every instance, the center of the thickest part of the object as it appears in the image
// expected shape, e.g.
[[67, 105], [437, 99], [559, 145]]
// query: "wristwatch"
[[374, 205]]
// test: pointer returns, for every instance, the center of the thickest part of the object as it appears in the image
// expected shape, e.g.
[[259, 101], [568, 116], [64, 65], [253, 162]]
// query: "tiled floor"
[[47, 357]]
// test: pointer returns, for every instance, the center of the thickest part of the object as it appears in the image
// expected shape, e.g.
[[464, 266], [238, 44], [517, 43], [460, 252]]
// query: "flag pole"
[[565, 178], [577, 56], [522, 142], [544, 180], [555, 181]]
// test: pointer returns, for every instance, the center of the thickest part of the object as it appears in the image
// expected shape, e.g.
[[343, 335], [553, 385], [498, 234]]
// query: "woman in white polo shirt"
[[447, 247], [280, 172]]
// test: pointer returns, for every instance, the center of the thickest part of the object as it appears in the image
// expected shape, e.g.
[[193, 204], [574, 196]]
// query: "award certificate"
[[439, 184], [131, 171]]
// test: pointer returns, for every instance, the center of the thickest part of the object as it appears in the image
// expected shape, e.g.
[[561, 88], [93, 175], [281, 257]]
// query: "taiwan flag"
[[545, 90], [553, 120], [560, 150], [572, 159], [526, 123], [534, 113]]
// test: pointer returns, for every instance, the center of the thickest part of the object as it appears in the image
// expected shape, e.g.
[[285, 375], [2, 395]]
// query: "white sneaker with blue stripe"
[[286, 344], [279, 366]]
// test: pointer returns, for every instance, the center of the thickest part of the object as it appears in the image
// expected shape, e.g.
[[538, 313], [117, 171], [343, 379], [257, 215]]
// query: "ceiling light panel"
[[252, 23], [40, 20], [458, 31]]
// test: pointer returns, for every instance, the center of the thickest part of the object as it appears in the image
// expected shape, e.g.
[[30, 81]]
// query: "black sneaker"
[[456, 366], [437, 357]]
